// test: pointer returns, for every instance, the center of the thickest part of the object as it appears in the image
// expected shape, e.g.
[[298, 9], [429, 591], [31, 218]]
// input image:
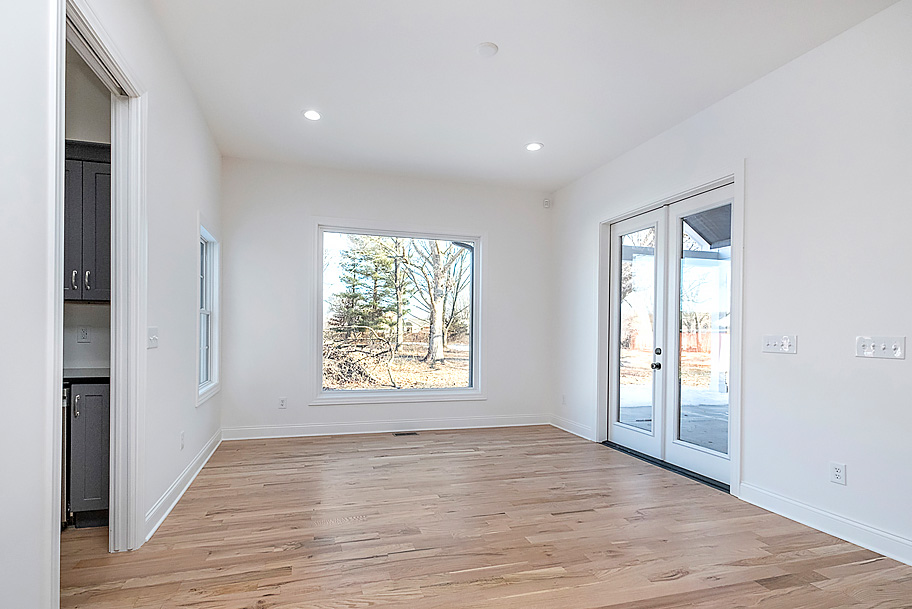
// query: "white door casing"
[[663, 441]]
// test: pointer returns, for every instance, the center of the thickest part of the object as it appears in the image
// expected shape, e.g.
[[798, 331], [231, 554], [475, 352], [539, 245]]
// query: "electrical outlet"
[[83, 334], [837, 473], [182, 440], [283, 403]]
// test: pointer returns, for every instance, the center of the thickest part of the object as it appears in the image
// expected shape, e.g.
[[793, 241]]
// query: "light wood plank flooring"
[[513, 518]]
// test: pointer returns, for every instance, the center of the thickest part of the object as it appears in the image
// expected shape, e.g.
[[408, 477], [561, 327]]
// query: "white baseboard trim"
[[259, 432], [156, 516], [883, 542], [572, 427]]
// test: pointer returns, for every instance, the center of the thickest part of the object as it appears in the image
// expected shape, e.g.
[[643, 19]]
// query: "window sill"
[[206, 392], [394, 396]]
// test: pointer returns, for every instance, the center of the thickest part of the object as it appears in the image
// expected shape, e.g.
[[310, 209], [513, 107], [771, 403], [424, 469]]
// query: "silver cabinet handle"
[[73, 279], [76, 407], [87, 286]]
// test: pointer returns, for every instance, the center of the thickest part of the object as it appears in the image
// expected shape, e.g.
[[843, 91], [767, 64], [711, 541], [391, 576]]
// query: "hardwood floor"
[[513, 518]]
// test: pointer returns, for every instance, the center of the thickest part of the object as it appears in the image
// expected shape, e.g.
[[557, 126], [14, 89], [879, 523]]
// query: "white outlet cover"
[[837, 473], [779, 343], [83, 334], [881, 347]]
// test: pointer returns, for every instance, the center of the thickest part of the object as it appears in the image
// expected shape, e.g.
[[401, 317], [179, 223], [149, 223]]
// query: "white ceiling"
[[401, 88]]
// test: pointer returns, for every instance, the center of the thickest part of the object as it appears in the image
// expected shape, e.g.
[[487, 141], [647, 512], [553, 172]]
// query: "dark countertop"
[[86, 373]]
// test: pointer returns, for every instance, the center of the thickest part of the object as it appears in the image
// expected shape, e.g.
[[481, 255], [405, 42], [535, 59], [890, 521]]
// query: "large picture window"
[[398, 312]]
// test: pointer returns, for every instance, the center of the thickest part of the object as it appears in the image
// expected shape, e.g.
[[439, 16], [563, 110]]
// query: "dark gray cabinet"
[[87, 222], [89, 430]]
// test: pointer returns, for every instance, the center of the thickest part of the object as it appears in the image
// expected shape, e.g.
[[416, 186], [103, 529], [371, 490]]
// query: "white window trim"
[[388, 396], [213, 386]]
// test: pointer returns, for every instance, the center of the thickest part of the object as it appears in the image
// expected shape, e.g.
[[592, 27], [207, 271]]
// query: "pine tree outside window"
[[398, 312]]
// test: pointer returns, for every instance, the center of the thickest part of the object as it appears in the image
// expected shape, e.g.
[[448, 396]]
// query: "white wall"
[[268, 284], [182, 182], [88, 102], [828, 146], [27, 239], [183, 168]]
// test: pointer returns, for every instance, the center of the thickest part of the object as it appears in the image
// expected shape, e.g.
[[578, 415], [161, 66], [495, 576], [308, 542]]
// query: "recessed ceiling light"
[[487, 49], [534, 146], [312, 115]]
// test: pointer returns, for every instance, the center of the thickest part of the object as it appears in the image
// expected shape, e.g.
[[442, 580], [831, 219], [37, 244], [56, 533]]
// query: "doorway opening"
[[87, 305], [672, 333], [100, 316]]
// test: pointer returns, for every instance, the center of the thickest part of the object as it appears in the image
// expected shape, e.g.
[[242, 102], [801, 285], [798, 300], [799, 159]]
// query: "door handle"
[[655, 366], [73, 279], [87, 286], [76, 406]]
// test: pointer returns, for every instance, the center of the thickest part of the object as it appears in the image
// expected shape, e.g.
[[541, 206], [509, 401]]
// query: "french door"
[[670, 356]]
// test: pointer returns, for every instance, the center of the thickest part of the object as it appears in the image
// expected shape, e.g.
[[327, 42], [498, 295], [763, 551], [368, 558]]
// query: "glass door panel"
[[637, 340], [704, 298]]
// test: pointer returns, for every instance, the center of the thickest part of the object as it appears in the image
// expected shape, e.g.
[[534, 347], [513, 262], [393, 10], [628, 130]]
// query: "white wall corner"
[[872, 538], [584, 431], [157, 514]]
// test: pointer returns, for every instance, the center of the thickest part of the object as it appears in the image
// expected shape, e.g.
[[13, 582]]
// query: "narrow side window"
[[208, 312]]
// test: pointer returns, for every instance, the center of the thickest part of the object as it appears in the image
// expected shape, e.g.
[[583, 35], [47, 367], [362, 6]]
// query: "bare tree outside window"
[[397, 312]]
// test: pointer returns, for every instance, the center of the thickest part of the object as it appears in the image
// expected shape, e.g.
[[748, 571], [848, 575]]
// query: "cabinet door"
[[96, 231], [72, 231], [89, 447]]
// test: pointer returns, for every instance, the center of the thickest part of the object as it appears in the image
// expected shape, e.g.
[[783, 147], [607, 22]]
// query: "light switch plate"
[[780, 343], [881, 347], [152, 341]]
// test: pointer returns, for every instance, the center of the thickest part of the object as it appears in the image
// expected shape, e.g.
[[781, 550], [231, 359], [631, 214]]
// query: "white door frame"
[[722, 175], [129, 268]]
